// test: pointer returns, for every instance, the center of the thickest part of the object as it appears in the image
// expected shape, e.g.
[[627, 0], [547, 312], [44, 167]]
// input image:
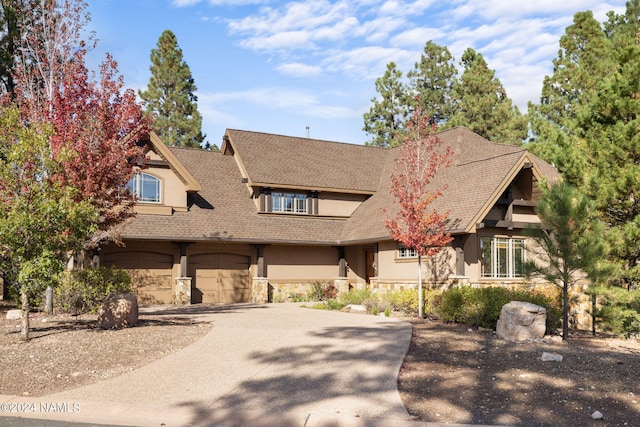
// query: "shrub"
[[355, 296], [482, 306], [322, 291], [407, 301], [83, 291], [619, 310]]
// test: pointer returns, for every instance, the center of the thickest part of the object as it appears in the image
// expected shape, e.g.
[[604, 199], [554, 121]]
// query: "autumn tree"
[[170, 95], [432, 80], [385, 120], [91, 127], [41, 219], [415, 223], [96, 123], [483, 105], [568, 248]]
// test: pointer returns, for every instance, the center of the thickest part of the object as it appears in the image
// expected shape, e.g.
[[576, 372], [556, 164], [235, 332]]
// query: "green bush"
[[355, 296], [482, 306], [83, 291], [407, 301], [619, 310]]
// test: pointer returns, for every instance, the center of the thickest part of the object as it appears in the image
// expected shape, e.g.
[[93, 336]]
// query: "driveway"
[[262, 363]]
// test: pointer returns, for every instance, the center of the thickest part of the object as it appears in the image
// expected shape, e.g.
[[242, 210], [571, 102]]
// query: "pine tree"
[[170, 95], [385, 120], [569, 248], [483, 105], [431, 80], [588, 124]]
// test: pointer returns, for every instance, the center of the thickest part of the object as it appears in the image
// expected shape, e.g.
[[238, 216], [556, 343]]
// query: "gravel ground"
[[453, 374], [67, 352]]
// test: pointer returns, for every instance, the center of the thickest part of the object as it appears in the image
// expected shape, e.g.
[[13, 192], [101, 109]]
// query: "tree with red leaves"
[[96, 123], [66, 158], [416, 225]]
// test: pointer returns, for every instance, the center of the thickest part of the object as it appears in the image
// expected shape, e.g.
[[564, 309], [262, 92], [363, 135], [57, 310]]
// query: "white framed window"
[[502, 257], [405, 252], [145, 187], [288, 202]]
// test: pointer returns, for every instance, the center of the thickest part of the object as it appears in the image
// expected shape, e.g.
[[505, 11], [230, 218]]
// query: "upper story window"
[[288, 202], [145, 187], [502, 257], [405, 252]]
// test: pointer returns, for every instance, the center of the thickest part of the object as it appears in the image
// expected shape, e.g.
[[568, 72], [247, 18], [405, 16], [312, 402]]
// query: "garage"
[[151, 274], [219, 278]]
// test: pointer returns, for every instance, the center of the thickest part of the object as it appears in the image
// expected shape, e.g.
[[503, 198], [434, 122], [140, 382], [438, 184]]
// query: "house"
[[268, 215]]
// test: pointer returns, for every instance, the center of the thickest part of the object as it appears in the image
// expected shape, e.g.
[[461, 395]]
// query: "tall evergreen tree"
[[432, 81], [584, 59], [483, 105], [170, 95], [9, 29], [386, 118], [588, 124]]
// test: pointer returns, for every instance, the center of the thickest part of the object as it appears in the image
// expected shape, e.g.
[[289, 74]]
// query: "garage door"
[[219, 278], [150, 274]]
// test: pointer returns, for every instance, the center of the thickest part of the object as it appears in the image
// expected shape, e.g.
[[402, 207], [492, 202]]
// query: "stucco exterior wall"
[[301, 263], [337, 204]]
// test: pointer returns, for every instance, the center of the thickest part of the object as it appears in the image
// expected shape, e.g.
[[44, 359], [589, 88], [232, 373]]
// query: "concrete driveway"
[[274, 364]]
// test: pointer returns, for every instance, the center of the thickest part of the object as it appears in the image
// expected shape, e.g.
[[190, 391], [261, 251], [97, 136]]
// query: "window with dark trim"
[[289, 202], [502, 257]]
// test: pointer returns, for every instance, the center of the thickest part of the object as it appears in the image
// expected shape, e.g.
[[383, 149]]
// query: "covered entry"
[[219, 277], [150, 274]]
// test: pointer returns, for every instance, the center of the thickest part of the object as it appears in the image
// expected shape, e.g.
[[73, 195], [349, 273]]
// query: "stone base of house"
[[264, 291]]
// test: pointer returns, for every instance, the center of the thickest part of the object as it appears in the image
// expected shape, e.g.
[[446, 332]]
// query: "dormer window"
[[288, 202], [145, 187]]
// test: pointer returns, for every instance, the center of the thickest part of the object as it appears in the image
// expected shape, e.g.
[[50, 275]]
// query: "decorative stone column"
[[341, 284], [182, 291], [260, 290]]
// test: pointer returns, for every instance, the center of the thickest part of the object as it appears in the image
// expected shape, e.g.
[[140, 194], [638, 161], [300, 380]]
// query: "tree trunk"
[[565, 311], [420, 308], [24, 331]]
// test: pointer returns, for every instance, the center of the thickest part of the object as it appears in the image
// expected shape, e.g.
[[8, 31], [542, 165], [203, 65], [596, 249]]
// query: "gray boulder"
[[521, 321], [118, 311]]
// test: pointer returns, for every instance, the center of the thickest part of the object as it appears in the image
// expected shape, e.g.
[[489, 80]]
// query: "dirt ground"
[[451, 374], [67, 352]]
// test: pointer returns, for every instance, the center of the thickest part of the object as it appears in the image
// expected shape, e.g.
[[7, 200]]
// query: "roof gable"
[[156, 144], [291, 162]]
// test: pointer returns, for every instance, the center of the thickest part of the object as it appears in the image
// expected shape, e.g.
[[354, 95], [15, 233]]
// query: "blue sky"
[[278, 67]]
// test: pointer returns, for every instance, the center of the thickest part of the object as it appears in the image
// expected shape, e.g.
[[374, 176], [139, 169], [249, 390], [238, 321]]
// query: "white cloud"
[[299, 70]]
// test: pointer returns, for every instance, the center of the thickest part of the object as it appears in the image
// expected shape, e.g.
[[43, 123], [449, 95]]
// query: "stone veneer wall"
[[264, 291]]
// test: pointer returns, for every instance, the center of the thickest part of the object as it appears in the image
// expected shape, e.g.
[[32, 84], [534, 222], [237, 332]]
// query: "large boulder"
[[118, 311], [521, 321]]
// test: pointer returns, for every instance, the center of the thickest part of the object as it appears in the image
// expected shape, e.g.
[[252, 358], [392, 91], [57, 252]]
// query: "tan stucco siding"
[[392, 268], [301, 263], [336, 204]]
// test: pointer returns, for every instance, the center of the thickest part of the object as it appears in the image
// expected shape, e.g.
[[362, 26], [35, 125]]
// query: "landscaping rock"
[[13, 314], [597, 415], [551, 357], [521, 321], [118, 311]]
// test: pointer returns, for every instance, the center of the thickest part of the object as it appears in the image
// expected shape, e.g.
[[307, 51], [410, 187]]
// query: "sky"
[[308, 68]]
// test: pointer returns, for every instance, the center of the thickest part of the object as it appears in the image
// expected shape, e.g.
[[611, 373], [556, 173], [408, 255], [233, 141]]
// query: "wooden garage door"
[[150, 274], [219, 278]]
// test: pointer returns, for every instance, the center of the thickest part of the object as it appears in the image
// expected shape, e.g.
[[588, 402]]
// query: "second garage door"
[[219, 277]]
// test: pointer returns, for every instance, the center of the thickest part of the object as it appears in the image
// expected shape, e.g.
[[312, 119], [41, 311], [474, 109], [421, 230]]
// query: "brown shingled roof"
[[286, 161], [223, 209]]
